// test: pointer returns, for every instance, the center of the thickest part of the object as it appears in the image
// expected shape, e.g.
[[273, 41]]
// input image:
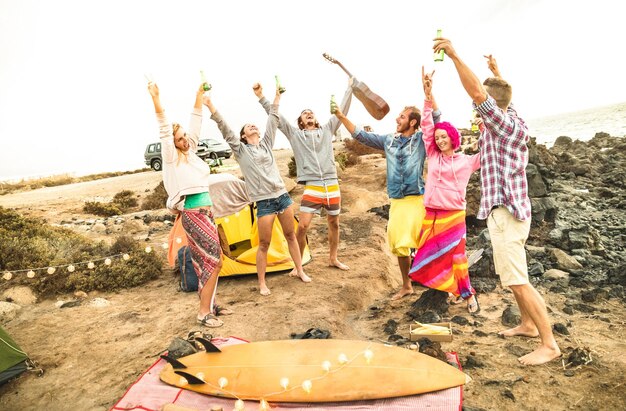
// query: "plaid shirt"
[[503, 160]]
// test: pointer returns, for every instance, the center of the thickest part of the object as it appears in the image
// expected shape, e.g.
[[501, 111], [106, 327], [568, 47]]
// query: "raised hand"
[[427, 83], [258, 90], [153, 89], [445, 45], [493, 65]]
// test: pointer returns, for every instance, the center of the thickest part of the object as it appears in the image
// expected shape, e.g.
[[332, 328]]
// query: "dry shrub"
[[125, 199], [156, 199], [101, 209], [293, 171], [359, 149], [30, 243]]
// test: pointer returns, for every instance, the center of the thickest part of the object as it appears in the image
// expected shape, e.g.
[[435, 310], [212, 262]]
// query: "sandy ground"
[[92, 355]]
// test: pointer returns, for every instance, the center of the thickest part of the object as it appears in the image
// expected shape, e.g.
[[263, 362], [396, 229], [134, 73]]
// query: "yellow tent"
[[235, 216]]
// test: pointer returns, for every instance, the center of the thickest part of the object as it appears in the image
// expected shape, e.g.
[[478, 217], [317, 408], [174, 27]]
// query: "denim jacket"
[[405, 159]]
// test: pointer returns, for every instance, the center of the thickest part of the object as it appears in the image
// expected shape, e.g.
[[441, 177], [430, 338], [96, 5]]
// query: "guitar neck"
[[343, 68]]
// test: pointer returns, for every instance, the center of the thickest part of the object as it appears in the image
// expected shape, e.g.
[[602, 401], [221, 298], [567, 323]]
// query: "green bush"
[[29, 243], [293, 171]]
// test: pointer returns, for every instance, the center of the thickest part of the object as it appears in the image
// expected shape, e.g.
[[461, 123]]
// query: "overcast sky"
[[73, 95]]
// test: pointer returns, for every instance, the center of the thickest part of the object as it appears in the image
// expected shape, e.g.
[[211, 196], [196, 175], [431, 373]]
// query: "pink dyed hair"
[[453, 133]]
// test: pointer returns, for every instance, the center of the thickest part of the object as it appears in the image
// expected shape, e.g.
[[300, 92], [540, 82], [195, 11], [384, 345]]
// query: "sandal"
[[222, 310], [211, 321], [473, 307], [452, 300], [312, 333]]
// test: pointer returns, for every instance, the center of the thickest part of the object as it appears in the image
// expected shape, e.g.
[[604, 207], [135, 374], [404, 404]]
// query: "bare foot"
[[541, 355], [520, 331], [305, 278], [264, 290], [338, 264], [402, 293]]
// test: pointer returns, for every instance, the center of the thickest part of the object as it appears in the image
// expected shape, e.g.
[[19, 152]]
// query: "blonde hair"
[[181, 154], [500, 90]]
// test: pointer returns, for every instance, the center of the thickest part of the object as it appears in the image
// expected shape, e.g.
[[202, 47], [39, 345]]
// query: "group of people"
[[426, 229]]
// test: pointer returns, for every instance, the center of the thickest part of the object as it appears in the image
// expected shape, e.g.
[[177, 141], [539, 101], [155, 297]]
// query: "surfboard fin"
[[191, 379], [208, 345], [175, 363]]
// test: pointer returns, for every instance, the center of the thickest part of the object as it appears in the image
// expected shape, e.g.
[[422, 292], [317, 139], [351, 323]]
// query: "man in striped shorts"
[[312, 147]]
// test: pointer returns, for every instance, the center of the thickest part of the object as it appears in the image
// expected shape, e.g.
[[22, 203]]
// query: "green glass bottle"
[[333, 104], [206, 86], [280, 88], [439, 55]]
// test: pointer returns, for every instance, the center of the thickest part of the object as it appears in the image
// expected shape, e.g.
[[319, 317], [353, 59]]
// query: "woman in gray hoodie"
[[265, 186]]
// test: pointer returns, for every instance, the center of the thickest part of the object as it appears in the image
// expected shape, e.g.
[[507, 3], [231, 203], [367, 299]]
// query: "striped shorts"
[[321, 194]]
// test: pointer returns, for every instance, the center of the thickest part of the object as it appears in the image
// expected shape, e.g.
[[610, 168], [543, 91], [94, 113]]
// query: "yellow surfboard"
[[311, 371]]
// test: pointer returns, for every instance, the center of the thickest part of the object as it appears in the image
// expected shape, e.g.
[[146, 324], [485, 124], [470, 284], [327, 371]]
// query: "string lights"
[[307, 385], [72, 267]]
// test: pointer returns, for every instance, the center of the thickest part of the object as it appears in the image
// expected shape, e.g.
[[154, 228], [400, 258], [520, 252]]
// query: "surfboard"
[[311, 371]]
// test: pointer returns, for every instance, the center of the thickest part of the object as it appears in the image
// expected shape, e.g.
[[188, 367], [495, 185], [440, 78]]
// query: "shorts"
[[405, 223], [508, 236], [318, 195], [275, 205]]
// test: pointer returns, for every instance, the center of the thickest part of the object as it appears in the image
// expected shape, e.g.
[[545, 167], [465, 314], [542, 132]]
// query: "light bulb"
[[71, 268], [240, 405], [368, 354], [326, 366], [284, 382], [51, 270], [307, 385], [222, 382], [342, 359], [7, 276], [30, 274], [126, 257], [107, 261], [148, 249], [182, 381], [90, 265]]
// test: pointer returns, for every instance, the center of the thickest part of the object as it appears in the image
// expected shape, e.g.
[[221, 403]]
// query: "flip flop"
[[312, 333], [211, 321], [452, 300], [470, 306], [222, 310]]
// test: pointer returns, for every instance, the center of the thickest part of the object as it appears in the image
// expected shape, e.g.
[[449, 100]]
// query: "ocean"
[[580, 125]]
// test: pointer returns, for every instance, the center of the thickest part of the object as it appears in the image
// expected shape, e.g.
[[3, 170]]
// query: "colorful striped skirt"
[[440, 261], [203, 241]]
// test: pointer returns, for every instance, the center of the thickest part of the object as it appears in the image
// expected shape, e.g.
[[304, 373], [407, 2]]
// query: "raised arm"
[[153, 89], [471, 83], [283, 124], [333, 123], [493, 66], [233, 141], [195, 122], [273, 119], [427, 123]]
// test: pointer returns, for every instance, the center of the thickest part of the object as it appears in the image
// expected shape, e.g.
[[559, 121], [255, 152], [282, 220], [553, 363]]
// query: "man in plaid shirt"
[[504, 198]]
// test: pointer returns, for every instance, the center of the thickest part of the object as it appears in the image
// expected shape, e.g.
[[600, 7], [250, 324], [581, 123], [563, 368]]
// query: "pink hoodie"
[[447, 175]]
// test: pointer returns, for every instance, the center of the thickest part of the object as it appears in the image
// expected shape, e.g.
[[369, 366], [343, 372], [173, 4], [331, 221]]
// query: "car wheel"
[[156, 165], [213, 156]]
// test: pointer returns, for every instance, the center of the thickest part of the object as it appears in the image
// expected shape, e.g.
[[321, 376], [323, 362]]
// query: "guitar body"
[[373, 103]]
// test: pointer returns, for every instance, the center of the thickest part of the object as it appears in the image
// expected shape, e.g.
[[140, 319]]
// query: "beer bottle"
[[439, 55], [280, 88], [206, 86], [333, 104]]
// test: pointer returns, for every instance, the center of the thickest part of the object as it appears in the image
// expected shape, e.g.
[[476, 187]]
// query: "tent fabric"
[[149, 393], [236, 215], [12, 358]]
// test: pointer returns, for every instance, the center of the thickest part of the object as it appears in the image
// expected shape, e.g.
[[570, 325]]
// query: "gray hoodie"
[[313, 149], [257, 163]]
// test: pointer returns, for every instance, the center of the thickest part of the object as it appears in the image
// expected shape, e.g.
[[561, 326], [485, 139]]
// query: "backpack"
[[188, 276]]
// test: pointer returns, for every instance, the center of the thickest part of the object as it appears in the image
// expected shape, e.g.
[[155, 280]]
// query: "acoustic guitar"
[[374, 104]]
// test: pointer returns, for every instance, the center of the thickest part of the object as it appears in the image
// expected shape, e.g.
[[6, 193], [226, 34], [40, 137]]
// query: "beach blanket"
[[149, 393]]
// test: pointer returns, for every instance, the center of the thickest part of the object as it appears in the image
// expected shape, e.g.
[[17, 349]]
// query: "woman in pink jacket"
[[440, 262]]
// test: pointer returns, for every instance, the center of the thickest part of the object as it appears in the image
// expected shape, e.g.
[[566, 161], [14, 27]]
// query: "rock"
[[134, 226], [99, 228], [554, 274], [80, 294], [511, 316], [99, 302], [536, 186], [565, 261], [20, 295], [560, 328], [430, 300], [563, 142], [391, 326], [535, 269], [543, 209], [457, 319], [8, 311]]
